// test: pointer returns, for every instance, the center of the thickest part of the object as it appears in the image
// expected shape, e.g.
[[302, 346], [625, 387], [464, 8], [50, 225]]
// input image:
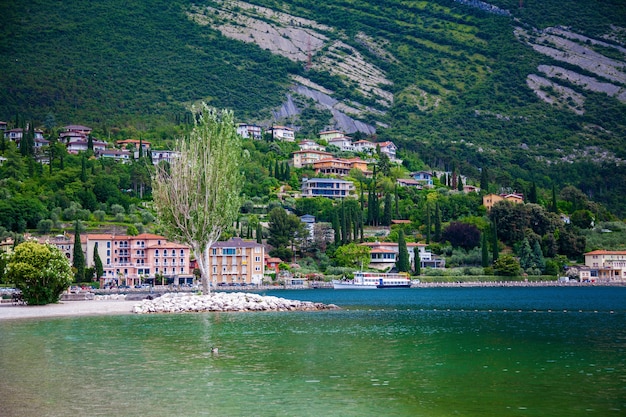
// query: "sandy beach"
[[67, 308]]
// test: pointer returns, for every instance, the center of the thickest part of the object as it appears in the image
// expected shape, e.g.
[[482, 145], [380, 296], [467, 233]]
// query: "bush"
[[41, 272], [120, 217], [99, 215], [117, 209], [45, 226]]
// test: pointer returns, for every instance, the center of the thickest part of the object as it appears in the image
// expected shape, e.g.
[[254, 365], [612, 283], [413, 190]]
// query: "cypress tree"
[[494, 242], [97, 262], [417, 260], [403, 263], [370, 206], [437, 236], [428, 225], [397, 201], [78, 256], [532, 195], [387, 210], [553, 207], [83, 169], [484, 251], [344, 234], [90, 143], [259, 233], [287, 172], [460, 185], [335, 223], [484, 180]]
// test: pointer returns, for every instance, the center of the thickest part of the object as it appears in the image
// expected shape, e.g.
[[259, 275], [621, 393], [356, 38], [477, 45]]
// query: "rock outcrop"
[[181, 303]]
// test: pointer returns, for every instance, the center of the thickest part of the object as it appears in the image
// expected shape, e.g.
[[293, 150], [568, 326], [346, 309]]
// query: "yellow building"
[[237, 261], [490, 199]]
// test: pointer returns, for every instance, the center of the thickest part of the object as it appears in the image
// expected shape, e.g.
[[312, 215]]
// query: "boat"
[[372, 280]]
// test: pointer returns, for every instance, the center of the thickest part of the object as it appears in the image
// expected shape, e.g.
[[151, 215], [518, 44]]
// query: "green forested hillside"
[[458, 75]]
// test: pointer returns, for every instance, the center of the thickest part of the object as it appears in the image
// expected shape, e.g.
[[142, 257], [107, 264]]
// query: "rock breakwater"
[[181, 303]]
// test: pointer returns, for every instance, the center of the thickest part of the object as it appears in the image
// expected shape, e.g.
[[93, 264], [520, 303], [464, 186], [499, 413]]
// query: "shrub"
[[99, 215]]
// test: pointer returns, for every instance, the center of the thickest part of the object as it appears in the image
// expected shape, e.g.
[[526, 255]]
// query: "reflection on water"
[[430, 352]]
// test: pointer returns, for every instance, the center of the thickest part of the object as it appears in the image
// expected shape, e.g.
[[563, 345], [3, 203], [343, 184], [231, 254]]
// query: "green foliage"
[[403, 264], [41, 272], [506, 265], [353, 255]]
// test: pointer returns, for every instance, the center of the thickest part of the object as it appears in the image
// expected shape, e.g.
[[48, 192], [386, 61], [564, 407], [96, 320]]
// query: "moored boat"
[[372, 280]]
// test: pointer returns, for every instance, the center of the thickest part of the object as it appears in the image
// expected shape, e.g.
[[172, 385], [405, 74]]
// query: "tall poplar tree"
[[78, 257], [200, 195]]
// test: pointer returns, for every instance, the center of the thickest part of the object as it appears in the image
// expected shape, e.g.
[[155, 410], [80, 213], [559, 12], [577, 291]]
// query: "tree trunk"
[[203, 265]]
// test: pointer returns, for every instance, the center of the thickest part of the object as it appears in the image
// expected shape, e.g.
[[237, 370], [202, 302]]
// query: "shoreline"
[[99, 307]]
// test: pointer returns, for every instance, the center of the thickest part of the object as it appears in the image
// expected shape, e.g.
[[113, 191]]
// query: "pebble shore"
[[238, 301]]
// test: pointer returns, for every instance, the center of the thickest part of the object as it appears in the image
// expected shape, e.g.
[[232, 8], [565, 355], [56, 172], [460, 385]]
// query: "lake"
[[399, 352]]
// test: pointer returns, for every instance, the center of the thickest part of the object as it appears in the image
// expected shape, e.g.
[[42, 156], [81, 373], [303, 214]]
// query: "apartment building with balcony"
[[237, 262], [326, 187]]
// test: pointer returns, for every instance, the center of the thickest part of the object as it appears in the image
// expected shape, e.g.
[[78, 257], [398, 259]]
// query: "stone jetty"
[[239, 301]]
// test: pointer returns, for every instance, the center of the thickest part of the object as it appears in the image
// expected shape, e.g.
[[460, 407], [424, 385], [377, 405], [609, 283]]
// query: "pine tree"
[[526, 256], [97, 262], [78, 256], [538, 256], [403, 263]]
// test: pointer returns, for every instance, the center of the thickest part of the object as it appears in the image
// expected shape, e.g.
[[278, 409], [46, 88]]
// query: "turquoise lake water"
[[403, 352]]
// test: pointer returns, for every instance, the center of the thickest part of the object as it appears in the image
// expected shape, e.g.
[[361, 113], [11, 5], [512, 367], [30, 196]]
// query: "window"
[[182, 252], [228, 251], [108, 244], [156, 253], [257, 259], [164, 252], [108, 252]]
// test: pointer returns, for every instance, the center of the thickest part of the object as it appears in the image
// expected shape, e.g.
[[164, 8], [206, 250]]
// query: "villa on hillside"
[[425, 178], [328, 135], [326, 187], [310, 145], [340, 167], [490, 199], [604, 266], [282, 133], [307, 157], [384, 255], [247, 131]]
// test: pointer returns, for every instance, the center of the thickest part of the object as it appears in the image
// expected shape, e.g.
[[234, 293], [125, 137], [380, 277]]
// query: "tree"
[[97, 262], [417, 261], [484, 180], [353, 255], [403, 264], [506, 265], [387, 210], [526, 258], [484, 251], [78, 255], [259, 233], [437, 236], [41, 272], [462, 235], [494, 239], [284, 229], [200, 196]]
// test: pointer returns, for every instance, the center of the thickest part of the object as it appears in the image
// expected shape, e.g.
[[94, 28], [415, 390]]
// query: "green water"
[[440, 352]]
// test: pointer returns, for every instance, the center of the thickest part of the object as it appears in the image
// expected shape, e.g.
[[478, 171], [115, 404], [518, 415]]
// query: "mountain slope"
[[533, 93]]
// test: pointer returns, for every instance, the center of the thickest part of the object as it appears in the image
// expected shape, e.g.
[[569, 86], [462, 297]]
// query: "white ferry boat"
[[372, 280]]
